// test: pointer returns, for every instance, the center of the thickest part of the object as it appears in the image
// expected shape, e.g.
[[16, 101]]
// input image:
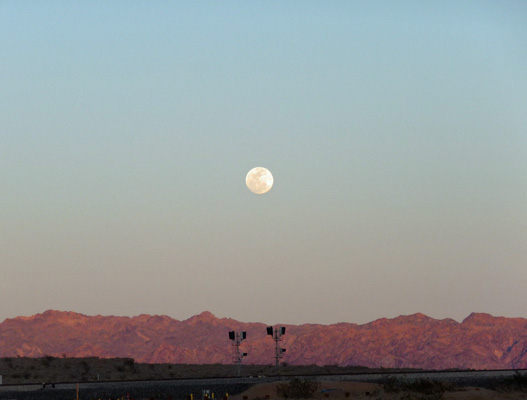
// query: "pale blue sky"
[[396, 133]]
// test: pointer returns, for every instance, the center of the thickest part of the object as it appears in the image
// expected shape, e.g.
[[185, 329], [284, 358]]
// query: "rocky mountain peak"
[[481, 341]]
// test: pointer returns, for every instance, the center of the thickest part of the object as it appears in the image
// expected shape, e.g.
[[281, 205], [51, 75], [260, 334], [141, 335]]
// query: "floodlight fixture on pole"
[[277, 334], [237, 355]]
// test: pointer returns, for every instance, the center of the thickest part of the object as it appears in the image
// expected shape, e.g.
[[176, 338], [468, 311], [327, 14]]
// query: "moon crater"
[[259, 180]]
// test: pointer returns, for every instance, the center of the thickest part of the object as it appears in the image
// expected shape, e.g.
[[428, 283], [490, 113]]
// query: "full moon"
[[259, 180]]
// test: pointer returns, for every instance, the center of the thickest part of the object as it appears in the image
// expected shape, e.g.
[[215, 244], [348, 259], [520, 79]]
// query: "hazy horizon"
[[396, 133]]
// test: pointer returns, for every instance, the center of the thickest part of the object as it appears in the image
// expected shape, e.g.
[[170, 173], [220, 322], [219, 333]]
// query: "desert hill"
[[481, 341]]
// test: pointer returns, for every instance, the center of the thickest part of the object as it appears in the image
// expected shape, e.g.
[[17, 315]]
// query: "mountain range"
[[480, 341]]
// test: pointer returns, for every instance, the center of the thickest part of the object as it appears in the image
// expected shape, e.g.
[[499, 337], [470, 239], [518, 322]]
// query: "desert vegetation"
[[298, 389], [418, 389], [516, 383], [16, 370], [49, 370]]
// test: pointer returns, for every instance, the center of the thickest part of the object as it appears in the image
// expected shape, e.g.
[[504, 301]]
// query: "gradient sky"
[[396, 133]]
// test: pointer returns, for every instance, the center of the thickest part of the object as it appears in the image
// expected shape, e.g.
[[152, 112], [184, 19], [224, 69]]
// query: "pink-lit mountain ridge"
[[481, 341]]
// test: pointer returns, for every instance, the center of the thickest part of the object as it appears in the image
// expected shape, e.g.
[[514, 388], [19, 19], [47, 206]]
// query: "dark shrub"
[[422, 386], [516, 382], [297, 389]]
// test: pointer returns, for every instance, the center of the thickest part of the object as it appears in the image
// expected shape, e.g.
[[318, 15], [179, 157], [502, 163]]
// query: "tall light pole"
[[277, 334], [237, 355]]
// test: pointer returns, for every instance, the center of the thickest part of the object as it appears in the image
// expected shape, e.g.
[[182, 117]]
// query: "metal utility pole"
[[277, 334], [237, 355]]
